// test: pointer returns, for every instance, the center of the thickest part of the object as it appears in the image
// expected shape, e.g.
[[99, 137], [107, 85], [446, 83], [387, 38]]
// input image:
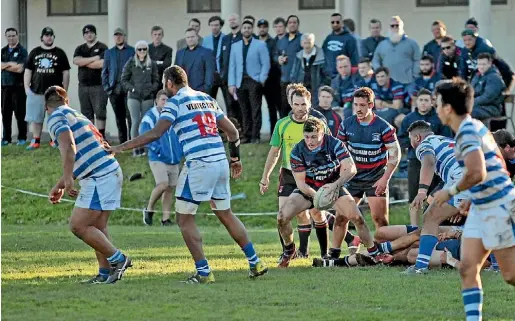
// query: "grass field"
[[42, 263]]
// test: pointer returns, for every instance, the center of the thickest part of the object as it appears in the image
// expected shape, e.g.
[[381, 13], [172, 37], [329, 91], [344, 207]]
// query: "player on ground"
[[195, 117], [100, 177], [373, 145], [320, 160], [490, 220]]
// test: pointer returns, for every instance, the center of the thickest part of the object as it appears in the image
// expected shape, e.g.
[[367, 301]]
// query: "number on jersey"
[[206, 124]]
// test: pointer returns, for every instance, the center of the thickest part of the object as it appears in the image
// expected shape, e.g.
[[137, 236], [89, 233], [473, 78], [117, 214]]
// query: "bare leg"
[[166, 201], [191, 235], [295, 204], [37, 129], [234, 226], [379, 210], [156, 194], [435, 215], [82, 225], [347, 207], [101, 224], [506, 260]]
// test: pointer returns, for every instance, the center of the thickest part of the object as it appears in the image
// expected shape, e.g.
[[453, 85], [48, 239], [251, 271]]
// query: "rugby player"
[[320, 160], [195, 117], [491, 217], [84, 157]]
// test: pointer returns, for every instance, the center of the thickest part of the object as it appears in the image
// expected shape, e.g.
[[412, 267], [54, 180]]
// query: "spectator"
[[140, 80], [366, 73], [506, 142], [488, 87], [389, 97], [198, 62], [473, 25], [450, 58], [339, 42], [47, 65], [253, 20], [308, 67], [194, 24], [349, 24], [370, 44], [213, 42], [428, 77], [248, 71], [90, 58], [423, 111], [159, 53], [272, 88], [279, 28], [432, 48], [14, 56], [344, 84], [114, 61], [325, 107], [231, 103], [400, 54], [287, 48], [164, 156]]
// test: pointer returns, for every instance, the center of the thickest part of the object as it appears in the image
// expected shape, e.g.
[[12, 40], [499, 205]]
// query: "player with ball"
[[321, 163]]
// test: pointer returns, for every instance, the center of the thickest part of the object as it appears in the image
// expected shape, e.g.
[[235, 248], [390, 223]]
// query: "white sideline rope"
[[139, 210]]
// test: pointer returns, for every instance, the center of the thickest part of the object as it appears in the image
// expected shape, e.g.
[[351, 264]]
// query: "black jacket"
[[140, 82], [227, 42]]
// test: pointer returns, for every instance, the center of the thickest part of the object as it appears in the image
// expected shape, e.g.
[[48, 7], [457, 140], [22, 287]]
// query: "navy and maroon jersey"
[[333, 119], [366, 143], [322, 165]]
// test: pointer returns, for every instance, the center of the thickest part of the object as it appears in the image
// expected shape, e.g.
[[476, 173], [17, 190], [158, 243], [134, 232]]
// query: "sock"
[[103, 271], [102, 132], [349, 237], [411, 228], [373, 250], [334, 253], [386, 247], [117, 257], [427, 244], [37, 140], [343, 262], [289, 249], [493, 260], [304, 233], [473, 302], [281, 239], [202, 267], [250, 254], [322, 236]]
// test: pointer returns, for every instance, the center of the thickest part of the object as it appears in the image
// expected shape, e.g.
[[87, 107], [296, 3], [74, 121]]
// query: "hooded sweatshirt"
[[339, 44]]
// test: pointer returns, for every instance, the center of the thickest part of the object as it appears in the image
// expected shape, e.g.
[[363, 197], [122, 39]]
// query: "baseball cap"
[[503, 137], [89, 28], [469, 32], [262, 22], [119, 31], [47, 31]]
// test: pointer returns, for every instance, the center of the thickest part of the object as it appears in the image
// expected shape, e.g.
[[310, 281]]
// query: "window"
[[316, 4], [438, 3], [195, 6], [22, 16], [76, 7]]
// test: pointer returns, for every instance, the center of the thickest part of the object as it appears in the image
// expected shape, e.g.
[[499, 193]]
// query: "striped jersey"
[[442, 149], [367, 144], [322, 165], [392, 91], [91, 158], [194, 117], [496, 189]]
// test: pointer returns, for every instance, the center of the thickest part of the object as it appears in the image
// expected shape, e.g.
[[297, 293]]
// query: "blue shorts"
[[453, 246]]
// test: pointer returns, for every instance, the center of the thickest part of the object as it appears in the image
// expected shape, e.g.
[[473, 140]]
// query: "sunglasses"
[[446, 48], [394, 26], [335, 22], [142, 49]]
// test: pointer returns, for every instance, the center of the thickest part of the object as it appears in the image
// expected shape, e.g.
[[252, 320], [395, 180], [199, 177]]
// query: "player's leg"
[[393, 232], [379, 209], [304, 231], [161, 178], [321, 229], [352, 260], [506, 260], [172, 173], [103, 265]]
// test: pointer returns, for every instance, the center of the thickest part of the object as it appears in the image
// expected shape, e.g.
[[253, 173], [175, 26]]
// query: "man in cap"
[[506, 142], [90, 58], [114, 61], [47, 65]]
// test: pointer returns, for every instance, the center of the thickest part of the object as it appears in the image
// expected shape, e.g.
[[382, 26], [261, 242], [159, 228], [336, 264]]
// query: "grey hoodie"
[[402, 59]]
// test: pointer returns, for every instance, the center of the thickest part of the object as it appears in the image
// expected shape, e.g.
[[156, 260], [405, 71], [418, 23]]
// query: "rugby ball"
[[325, 197]]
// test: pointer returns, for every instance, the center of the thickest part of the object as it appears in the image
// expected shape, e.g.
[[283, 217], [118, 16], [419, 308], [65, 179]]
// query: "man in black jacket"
[[160, 53], [450, 58], [369, 44]]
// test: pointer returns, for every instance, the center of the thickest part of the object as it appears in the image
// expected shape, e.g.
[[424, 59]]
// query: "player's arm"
[[68, 150], [298, 168], [300, 180], [427, 171], [395, 104], [152, 135], [394, 158], [233, 136], [271, 161], [347, 171]]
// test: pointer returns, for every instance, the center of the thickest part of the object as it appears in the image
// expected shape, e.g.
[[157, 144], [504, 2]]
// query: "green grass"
[[41, 266]]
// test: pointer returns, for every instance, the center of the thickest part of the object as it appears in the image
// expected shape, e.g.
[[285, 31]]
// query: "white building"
[[67, 17]]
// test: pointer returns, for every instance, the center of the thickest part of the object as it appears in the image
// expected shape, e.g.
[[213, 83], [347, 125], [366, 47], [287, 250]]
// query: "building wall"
[[172, 16]]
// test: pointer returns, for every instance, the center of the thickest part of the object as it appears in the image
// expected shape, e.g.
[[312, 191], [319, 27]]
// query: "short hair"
[[420, 125], [194, 20], [374, 20], [279, 20], [485, 55], [216, 18], [428, 57], [381, 69], [447, 39], [439, 23], [190, 29], [176, 75], [349, 23], [301, 92], [364, 60], [156, 28], [160, 93], [310, 36], [327, 89], [457, 93], [342, 57], [247, 22], [336, 14], [365, 92], [292, 16], [423, 91], [11, 29], [249, 17], [55, 95], [313, 125]]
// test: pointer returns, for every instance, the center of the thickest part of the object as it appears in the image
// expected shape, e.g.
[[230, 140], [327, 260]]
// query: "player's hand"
[[381, 185], [56, 194], [456, 219], [236, 169], [446, 236], [441, 197], [465, 207], [232, 90], [114, 149], [69, 187], [418, 202], [263, 185]]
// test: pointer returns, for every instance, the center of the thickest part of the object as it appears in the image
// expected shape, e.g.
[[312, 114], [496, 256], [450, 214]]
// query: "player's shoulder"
[[347, 122], [299, 148], [381, 122]]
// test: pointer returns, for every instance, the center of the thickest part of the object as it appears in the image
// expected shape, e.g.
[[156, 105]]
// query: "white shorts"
[[456, 200], [202, 181], [164, 173], [495, 226], [103, 193]]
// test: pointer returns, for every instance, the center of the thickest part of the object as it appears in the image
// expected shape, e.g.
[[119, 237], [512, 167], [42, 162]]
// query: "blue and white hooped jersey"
[[497, 188], [194, 117], [442, 149], [91, 158]]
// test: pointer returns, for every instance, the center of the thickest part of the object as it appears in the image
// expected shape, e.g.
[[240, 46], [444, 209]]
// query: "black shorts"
[[342, 192], [287, 183], [359, 188]]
